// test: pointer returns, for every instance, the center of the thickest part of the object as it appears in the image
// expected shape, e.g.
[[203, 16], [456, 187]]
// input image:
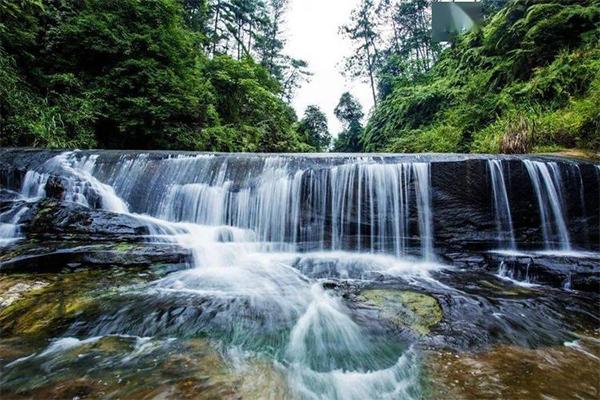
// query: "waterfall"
[[504, 223], [358, 204], [546, 181], [276, 239], [80, 187], [9, 224], [423, 174], [382, 202], [81, 184]]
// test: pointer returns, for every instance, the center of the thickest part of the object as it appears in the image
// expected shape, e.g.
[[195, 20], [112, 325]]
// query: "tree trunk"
[[371, 67], [216, 27]]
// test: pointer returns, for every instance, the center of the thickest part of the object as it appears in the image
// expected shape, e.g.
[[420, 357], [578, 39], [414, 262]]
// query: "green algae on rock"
[[54, 299], [403, 308]]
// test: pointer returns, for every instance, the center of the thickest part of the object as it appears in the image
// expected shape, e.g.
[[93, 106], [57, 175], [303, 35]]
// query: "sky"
[[311, 30]]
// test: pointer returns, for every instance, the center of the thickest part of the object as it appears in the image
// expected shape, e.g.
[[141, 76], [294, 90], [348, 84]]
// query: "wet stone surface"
[[196, 276], [404, 309], [36, 341], [567, 371]]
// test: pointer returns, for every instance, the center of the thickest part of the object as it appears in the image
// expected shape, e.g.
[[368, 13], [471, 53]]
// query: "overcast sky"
[[312, 34]]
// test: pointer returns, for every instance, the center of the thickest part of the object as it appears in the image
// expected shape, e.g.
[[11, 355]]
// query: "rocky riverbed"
[[103, 298]]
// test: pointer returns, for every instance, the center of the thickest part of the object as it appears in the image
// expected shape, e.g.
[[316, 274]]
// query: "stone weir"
[[512, 214]]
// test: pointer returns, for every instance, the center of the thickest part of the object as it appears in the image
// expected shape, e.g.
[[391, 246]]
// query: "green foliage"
[[131, 74], [537, 60], [350, 113], [313, 127], [392, 43]]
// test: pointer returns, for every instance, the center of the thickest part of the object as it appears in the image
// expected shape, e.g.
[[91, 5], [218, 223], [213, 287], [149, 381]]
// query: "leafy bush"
[[536, 62]]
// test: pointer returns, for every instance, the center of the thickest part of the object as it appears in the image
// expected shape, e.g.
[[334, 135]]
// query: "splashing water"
[[258, 288], [265, 233]]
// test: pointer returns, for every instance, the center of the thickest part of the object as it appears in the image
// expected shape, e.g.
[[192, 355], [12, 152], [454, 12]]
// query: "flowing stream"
[[267, 234]]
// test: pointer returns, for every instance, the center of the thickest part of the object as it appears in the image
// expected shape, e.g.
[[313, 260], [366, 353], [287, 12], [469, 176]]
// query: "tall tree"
[[362, 33], [350, 113], [409, 51], [313, 127], [250, 28], [271, 43], [392, 41], [291, 72]]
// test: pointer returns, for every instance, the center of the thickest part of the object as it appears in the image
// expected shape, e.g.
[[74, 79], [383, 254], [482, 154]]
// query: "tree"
[[411, 24], [86, 74], [361, 31], [350, 113], [291, 72], [250, 28], [313, 127], [392, 42], [533, 60], [270, 45], [409, 51]]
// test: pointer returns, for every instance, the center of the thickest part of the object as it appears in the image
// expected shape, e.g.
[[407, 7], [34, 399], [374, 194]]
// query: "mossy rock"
[[405, 309], [125, 247], [38, 311], [47, 309]]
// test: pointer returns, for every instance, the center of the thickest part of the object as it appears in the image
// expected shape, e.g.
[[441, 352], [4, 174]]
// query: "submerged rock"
[[568, 371], [12, 290], [404, 309], [110, 367], [51, 301]]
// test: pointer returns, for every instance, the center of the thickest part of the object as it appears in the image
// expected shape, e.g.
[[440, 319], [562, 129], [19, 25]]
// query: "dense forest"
[[527, 81], [169, 74], [213, 75]]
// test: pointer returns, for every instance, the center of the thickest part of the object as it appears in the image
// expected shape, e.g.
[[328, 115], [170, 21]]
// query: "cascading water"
[[546, 181], [268, 235], [80, 187], [250, 231], [9, 224], [504, 223], [359, 205], [422, 171]]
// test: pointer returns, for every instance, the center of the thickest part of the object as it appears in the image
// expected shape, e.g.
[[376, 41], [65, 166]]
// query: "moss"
[[124, 247], [416, 311], [37, 312], [78, 304], [47, 310]]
